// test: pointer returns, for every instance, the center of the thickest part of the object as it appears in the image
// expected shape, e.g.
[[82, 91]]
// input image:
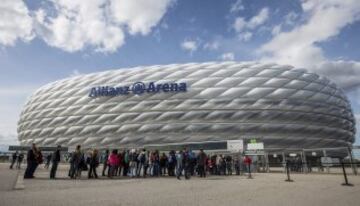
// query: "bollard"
[[345, 176], [288, 172]]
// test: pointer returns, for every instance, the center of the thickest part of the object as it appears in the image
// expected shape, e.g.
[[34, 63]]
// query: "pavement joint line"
[[19, 184]]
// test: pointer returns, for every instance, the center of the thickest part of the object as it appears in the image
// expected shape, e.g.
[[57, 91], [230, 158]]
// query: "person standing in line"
[[94, 163], [105, 162], [126, 163], [171, 163], [151, 163], [163, 164], [187, 161], [248, 162], [13, 160], [201, 163], [146, 163], [156, 163], [113, 163], [19, 160], [132, 164], [179, 164], [120, 167], [55, 162], [218, 164], [237, 164], [75, 163], [31, 162], [229, 162], [141, 160]]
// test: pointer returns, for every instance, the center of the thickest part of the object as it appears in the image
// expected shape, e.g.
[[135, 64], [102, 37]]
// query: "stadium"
[[281, 106]]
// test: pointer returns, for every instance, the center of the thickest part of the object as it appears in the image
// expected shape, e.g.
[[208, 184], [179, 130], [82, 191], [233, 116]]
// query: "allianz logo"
[[137, 88]]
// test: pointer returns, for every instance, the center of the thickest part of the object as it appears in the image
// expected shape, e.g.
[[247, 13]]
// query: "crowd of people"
[[138, 163], [142, 163], [16, 158]]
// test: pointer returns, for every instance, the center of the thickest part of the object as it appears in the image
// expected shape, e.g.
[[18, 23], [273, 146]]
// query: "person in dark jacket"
[[105, 163], [201, 163], [31, 162], [94, 163], [14, 158], [171, 163], [55, 162], [163, 163], [19, 160]]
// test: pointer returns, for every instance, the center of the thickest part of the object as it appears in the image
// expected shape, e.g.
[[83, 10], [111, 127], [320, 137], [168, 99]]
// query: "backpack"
[[40, 158]]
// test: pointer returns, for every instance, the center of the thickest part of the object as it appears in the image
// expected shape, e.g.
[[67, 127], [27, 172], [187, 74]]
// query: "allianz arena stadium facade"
[[283, 106]]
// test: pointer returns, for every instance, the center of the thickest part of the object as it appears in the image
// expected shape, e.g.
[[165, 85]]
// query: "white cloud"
[[73, 25], [211, 46], [237, 6], [227, 56], [298, 46], [140, 16], [245, 36], [15, 22], [345, 73], [190, 46], [240, 23]]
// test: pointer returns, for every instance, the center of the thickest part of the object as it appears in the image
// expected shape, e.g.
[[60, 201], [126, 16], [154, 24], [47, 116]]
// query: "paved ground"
[[7, 178], [264, 189]]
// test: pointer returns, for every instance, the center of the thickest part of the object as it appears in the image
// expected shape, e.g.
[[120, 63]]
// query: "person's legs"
[[12, 164], [33, 167], [27, 170], [53, 169], [178, 171], [201, 170], [90, 172], [94, 172], [104, 169]]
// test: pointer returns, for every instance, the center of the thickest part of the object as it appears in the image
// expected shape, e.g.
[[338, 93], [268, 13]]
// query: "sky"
[[43, 41]]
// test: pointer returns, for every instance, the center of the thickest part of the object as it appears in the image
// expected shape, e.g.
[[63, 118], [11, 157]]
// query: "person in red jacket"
[[248, 161]]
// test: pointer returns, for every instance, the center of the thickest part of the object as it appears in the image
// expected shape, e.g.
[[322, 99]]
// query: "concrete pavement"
[[265, 189]]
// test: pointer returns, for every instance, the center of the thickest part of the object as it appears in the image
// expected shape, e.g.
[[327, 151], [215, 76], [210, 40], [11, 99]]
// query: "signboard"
[[137, 88], [235, 145], [254, 152], [253, 141], [255, 146]]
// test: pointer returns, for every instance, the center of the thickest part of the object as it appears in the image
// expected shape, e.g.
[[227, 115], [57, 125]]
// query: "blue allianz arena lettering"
[[137, 88]]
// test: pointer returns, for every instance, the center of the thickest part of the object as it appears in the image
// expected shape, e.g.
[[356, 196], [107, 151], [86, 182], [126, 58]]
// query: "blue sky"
[[43, 41]]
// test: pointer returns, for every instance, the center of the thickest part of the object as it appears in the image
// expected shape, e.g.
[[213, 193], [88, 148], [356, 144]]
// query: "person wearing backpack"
[[31, 162], [141, 165]]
